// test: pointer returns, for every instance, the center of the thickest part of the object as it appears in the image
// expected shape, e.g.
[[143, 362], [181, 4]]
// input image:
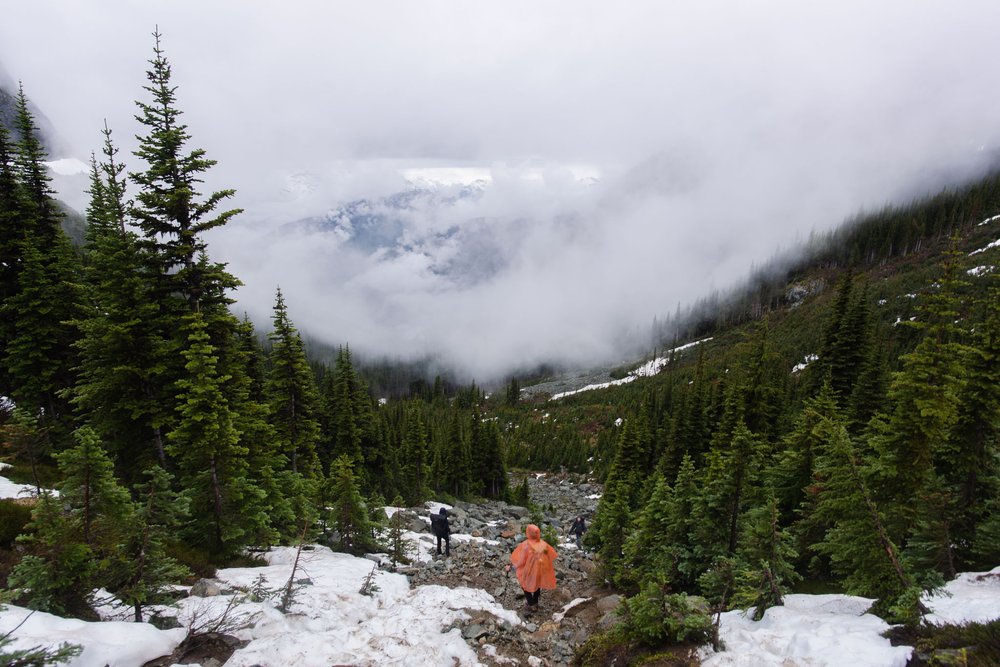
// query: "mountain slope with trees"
[[836, 422]]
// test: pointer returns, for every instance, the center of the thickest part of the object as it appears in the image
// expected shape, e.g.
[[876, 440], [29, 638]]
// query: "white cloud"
[[718, 131]]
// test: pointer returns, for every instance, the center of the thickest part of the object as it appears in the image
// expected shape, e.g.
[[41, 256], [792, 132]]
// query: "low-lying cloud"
[[631, 158]]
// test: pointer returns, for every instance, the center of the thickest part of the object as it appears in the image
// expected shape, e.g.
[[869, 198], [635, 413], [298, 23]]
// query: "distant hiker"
[[532, 560], [441, 530], [577, 530]]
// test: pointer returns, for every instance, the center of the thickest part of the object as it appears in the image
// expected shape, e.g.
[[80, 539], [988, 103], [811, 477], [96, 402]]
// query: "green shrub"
[[550, 534], [14, 517], [656, 617]]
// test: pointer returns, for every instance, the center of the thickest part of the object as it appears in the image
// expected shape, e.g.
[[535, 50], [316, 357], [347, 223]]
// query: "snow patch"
[[989, 220], [114, 643], [815, 630], [561, 614], [648, 369], [980, 270], [985, 248], [809, 358], [972, 597]]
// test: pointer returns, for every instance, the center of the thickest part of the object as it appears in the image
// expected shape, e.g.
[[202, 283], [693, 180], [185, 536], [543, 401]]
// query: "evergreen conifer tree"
[[349, 516], [291, 390], [727, 492], [38, 358], [120, 387], [766, 553], [226, 507], [416, 457], [56, 573], [148, 572], [168, 207], [858, 543], [456, 460], [925, 398]]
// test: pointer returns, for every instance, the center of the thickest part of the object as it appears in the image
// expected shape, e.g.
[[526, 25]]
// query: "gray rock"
[[609, 602], [475, 631], [206, 588], [518, 511]]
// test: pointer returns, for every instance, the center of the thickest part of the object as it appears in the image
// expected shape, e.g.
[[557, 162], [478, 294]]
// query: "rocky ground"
[[484, 535], [551, 634]]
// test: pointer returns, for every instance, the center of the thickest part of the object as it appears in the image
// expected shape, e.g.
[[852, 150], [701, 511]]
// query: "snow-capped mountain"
[[444, 224]]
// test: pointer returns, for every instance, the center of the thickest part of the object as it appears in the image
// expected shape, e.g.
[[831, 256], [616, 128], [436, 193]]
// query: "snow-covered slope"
[[331, 622]]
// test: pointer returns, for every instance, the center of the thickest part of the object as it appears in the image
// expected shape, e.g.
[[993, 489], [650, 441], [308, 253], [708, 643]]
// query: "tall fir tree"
[[227, 509], [925, 397], [120, 388], [38, 358], [11, 237], [858, 542], [416, 458], [168, 207], [292, 394], [348, 515]]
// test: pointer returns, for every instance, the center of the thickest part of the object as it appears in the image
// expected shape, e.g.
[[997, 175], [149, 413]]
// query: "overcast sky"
[[638, 154]]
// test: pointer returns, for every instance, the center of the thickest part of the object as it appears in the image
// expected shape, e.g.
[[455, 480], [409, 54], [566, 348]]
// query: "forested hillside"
[[178, 435], [836, 423]]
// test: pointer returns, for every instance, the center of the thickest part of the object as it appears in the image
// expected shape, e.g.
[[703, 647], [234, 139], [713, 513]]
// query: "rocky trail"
[[566, 616]]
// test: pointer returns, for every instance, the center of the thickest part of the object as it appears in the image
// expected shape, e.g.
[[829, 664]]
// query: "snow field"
[[115, 644], [813, 630]]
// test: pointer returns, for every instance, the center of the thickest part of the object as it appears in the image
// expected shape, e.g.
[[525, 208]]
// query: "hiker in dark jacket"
[[441, 530], [578, 528]]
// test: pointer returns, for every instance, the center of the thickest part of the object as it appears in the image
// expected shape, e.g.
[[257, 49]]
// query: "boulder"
[[518, 512], [609, 602], [206, 588]]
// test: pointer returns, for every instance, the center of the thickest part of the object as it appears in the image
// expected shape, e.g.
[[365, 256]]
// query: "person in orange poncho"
[[532, 560]]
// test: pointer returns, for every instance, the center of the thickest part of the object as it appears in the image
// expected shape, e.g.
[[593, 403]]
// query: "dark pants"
[[447, 544], [531, 599]]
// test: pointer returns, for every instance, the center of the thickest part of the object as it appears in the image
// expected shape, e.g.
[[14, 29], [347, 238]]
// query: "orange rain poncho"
[[533, 560]]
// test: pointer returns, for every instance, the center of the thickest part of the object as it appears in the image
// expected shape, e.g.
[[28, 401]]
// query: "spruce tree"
[[398, 547], [56, 573], [767, 554], [456, 460], [120, 389], [227, 509], [168, 208], [38, 357], [348, 515], [647, 549], [11, 237], [858, 543], [416, 458], [969, 464], [925, 397], [41, 218], [291, 391], [730, 477], [90, 488], [148, 572]]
